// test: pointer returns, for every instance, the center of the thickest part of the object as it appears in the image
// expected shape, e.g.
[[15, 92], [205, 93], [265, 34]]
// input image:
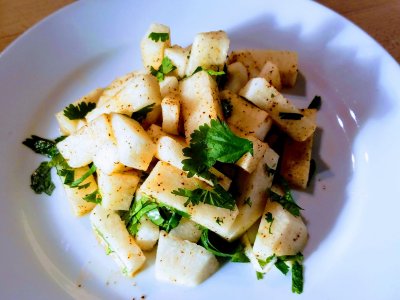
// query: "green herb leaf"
[[210, 72], [41, 179], [227, 108], [141, 114], [236, 253], [270, 219], [260, 275], [290, 116], [216, 197], [282, 266], [263, 263], [286, 203], [157, 36], [94, 197], [316, 103], [297, 278], [78, 181], [41, 145], [79, 111], [212, 143], [165, 68]]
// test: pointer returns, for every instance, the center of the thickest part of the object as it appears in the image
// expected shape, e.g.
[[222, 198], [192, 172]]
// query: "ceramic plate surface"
[[352, 210]]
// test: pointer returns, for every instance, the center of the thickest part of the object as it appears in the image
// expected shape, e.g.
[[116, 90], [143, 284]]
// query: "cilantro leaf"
[[316, 103], [41, 145], [41, 179], [217, 196], [157, 36], [78, 181], [263, 263], [212, 143], [227, 108], [282, 266], [297, 278], [79, 111], [141, 114], [286, 203], [165, 68], [234, 254], [210, 71], [270, 219], [290, 116], [259, 275], [94, 197]]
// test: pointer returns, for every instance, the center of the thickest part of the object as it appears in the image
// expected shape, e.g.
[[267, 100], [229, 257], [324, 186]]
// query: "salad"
[[194, 156]]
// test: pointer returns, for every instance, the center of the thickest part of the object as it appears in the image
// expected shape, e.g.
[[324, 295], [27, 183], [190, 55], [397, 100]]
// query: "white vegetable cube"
[[120, 245], [153, 51], [117, 189], [245, 116], [265, 96], [270, 73], [139, 91], [183, 262], [165, 178], [75, 195], [77, 148], [68, 126], [114, 87], [171, 107], [187, 230], [105, 150], [252, 194], [155, 132], [285, 235], [169, 85], [147, 235], [179, 57], [135, 147], [209, 50], [200, 101], [237, 77]]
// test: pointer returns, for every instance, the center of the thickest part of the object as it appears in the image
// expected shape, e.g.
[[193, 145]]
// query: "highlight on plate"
[[194, 155]]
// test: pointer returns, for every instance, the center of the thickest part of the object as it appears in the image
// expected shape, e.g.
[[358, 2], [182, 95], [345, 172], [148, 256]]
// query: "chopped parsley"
[[297, 278], [94, 197], [227, 108], [270, 219], [259, 275], [313, 168], [210, 72], [159, 36], [41, 179], [216, 196], [165, 68], [79, 111], [141, 114], [212, 143], [232, 251], [290, 116], [41, 146], [316, 103], [286, 200]]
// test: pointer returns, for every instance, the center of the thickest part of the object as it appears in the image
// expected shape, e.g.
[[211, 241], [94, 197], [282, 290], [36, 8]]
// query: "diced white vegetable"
[[247, 117], [288, 233], [187, 230], [209, 50], [252, 189], [117, 189], [120, 245], [77, 148], [237, 77], [114, 87], [183, 262], [152, 51], [68, 126], [200, 101], [155, 132], [169, 85], [137, 92], [105, 150], [249, 162], [135, 147], [270, 73], [75, 195], [165, 178], [171, 108], [147, 235], [266, 97], [170, 150], [254, 60], [179, 57]]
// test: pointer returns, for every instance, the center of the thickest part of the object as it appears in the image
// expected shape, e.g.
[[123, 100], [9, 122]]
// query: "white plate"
[[352, 213]]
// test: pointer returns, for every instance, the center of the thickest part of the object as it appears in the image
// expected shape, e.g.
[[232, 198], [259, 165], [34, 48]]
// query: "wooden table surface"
[[379, 18]]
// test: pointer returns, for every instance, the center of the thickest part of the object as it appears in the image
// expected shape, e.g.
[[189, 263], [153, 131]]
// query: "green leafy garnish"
[[216, 196], [41, 179], [290, 116], [281, 266], [212, 143], [297, 278], [270, 219], [165, 68], [232, 251], [94, 197], [259, 275], [263, 263], [78, 181], [286, 200], [141, 114], [316, 103], [79, 111], [41, 146], [226, 108], [157, 36]]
